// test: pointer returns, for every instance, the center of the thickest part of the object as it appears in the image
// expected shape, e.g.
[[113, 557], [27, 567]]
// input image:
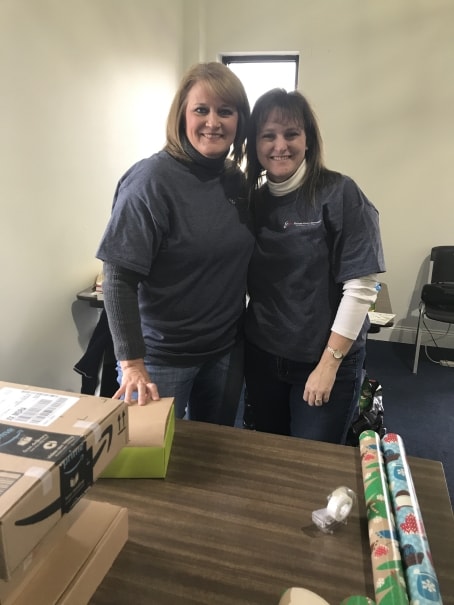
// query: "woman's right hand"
[[136, 380]]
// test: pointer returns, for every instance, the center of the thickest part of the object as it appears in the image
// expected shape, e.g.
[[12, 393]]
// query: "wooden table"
[[231, 523]]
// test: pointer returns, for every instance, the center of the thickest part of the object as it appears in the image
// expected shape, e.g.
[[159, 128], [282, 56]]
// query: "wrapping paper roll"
[[389, 580], [422, 582], [357, 600], [302, 596]]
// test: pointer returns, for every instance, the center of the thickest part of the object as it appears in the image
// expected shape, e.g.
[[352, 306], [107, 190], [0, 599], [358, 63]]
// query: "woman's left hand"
[[320, 383]]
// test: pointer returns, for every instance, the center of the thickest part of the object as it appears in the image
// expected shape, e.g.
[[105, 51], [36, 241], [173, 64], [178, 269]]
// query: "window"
[[260, 72]]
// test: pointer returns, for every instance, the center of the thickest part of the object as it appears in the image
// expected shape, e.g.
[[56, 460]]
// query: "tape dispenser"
[[340, 503]]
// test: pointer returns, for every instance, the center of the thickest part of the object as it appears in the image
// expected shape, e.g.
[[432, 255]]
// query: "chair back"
[[442, 261], [437, 296]]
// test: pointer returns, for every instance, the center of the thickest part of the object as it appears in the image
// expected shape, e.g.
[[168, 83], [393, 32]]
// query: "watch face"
[[335, 353]]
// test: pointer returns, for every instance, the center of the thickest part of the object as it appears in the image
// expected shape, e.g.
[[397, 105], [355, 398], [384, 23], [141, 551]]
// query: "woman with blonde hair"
[[176, 251]]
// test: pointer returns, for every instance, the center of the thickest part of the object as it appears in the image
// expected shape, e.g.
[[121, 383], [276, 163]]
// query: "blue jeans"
[[207, 392], [274, 392]]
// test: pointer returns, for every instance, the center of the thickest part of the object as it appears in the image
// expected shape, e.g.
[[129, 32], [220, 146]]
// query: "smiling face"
[[281, 147], [210, 122]]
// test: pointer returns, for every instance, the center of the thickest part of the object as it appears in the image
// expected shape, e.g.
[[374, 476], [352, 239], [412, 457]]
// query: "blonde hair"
[[222, 82]]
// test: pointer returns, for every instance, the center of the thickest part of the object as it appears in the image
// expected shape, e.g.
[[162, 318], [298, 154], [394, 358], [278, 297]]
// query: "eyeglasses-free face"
[[281, 147], [211, 123]]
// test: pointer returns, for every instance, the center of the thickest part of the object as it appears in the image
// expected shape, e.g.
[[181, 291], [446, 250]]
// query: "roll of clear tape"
[[340, 504]]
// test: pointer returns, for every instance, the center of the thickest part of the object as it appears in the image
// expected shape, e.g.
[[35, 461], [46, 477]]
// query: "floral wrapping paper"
[[357, 600], [422, 583], [389, 580]]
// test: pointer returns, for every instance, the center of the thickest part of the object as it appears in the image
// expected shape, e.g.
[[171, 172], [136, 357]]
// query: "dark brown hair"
[[292, 107]]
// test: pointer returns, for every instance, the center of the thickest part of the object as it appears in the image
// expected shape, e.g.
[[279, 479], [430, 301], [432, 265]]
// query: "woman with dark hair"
[[312, 277], [175, 254]]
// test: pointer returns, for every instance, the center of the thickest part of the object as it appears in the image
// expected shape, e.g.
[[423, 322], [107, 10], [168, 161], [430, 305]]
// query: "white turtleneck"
[[358, 294], [291, 184]]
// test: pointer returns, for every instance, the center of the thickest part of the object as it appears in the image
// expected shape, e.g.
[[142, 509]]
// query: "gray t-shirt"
[[185, 228], [304, 252]]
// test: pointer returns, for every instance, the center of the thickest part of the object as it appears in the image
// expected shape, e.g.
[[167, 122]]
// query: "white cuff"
[[358, 296]]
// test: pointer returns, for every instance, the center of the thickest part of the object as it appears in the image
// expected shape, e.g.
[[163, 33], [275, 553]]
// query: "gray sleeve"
[[122, 308]]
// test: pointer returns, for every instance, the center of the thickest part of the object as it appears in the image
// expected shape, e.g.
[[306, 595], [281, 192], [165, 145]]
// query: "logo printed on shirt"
[[288, 224]]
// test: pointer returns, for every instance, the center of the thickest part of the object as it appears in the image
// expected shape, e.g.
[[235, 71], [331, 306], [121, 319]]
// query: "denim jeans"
[[207, 392], [274, 392]]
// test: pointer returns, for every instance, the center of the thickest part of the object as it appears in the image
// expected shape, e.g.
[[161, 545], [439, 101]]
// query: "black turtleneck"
[[215, 165]]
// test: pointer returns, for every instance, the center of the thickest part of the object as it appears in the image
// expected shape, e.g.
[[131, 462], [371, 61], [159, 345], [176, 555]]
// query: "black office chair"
[[437, 296]]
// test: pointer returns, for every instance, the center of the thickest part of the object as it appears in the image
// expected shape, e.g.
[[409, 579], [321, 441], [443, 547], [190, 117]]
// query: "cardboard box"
[[53, 446], [73, 558], [151, 430]]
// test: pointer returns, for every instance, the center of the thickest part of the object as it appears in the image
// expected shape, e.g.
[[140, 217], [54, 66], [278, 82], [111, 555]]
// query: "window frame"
[[284, 57]]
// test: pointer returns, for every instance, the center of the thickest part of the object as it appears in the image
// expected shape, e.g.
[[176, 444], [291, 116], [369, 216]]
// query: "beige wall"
[[380, 76], [85, 87]]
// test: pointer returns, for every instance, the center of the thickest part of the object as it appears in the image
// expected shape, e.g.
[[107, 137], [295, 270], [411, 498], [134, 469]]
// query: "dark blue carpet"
[[420, 408]]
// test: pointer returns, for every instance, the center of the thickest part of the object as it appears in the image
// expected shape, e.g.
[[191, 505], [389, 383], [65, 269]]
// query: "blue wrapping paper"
[[387, 568], [421, 579]]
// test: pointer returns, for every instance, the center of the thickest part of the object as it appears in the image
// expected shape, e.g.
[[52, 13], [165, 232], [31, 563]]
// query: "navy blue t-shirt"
[[186, 229], [304, 252]]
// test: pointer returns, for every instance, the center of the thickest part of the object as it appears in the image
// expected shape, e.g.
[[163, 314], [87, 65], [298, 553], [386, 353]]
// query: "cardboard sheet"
[[53, 446], [70, 563], [147, 453]]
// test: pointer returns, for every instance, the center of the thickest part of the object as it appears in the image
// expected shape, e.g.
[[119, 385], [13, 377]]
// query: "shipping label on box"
[[53, 446]]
